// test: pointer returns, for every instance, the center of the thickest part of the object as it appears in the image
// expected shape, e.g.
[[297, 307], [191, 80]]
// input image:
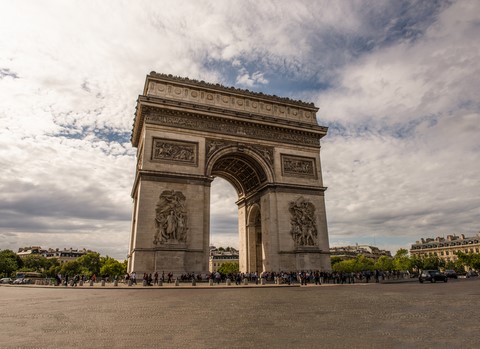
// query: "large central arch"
[[189, 132]]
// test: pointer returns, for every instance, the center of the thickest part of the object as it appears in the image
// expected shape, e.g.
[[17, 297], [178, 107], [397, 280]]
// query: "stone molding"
[[216, 125], [201, 92], [298, 166]]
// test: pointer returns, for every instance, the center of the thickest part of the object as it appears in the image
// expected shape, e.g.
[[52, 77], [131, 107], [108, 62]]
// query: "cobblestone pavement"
[[400, 315]]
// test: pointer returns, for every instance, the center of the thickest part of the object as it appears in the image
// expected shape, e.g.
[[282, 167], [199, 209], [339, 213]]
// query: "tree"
[[401, 261], [71, 268], [9, 263], [229, 268], [433, 262], [416, 263], [358, 264], [335, 259], [112, 267], [90, 263], [469, 260], [384, 263], [36, 262]]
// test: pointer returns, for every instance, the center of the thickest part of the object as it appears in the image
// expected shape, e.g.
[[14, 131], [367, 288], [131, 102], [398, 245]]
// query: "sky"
[[397, 83]]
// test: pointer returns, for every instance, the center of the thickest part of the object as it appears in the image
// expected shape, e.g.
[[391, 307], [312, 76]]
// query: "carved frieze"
[[214, 145], [176, 151], [236, 128], [295, 166], [303, 222], [170, 218], [238, 100]]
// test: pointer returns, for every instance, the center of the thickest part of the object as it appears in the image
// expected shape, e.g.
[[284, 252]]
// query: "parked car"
[[452, 274], [6, 281], [432, 276], [471, 273], [21, 281]]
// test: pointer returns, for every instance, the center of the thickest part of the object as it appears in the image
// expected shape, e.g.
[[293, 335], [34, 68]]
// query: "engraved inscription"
[[168, 150], [298, 166]]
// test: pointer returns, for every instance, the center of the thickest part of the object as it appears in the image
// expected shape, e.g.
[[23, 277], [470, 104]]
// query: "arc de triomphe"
[[186, 133]]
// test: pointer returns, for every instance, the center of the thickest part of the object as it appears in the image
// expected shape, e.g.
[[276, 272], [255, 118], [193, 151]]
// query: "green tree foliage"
[[71, 268], [229, 268], [416, 263], [359, 263], [112, 267], [90, 263], [433, 262], [384, 263], [335, 259], [469, 260], [402, 261], [9, 263], [36, 262]]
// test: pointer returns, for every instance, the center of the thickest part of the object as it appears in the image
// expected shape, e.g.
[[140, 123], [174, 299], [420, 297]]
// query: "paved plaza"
[[396, 315]]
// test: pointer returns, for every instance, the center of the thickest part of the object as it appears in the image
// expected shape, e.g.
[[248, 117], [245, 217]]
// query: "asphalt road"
[[401, 315]]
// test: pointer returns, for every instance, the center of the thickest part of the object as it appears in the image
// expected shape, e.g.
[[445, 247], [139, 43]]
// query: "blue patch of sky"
[[105, 134], [403, 20], [281, 83]]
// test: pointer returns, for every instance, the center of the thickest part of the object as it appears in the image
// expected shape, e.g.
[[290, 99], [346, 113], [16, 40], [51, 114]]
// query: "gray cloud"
[[396, 83]]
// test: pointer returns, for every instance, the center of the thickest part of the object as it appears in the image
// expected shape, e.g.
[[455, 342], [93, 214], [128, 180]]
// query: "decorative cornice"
[[219, 87], [217, 125]]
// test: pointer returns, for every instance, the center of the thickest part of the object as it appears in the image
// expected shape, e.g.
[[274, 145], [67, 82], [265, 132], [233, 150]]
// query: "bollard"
[[103, 282], [130, 283], [81, 283], [194, 283], [144, 282], [210, 282], [245, 281], [228, 282], [91, 282], [262, 281], [160, 282], [115, 283], [177, 283]]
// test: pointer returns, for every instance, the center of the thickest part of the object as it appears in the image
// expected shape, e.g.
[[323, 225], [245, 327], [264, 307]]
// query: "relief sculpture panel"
[[168, 150], [170, 218], [302, 218], [295, 166]]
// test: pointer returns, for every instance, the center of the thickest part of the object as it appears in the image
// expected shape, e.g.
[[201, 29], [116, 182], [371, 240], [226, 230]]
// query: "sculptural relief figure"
[[170, 218], [303, 221]]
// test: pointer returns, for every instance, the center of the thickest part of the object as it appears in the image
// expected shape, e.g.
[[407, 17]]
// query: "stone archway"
[[188, 132]]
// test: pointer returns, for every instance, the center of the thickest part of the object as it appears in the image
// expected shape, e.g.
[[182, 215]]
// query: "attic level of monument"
[[166, 96], [217, 87]]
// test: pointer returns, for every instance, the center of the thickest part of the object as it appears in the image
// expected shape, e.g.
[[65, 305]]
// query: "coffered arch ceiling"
[[243, 172]]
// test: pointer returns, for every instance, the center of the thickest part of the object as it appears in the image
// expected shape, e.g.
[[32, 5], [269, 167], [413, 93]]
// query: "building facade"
[[350, 252], [63, 256], [219, 257], [446, 248]]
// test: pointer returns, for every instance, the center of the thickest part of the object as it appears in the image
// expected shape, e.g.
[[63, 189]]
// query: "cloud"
[[396, 82]]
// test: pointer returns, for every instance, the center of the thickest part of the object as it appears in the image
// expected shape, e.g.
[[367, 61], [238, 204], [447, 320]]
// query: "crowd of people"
[[293, 277]]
